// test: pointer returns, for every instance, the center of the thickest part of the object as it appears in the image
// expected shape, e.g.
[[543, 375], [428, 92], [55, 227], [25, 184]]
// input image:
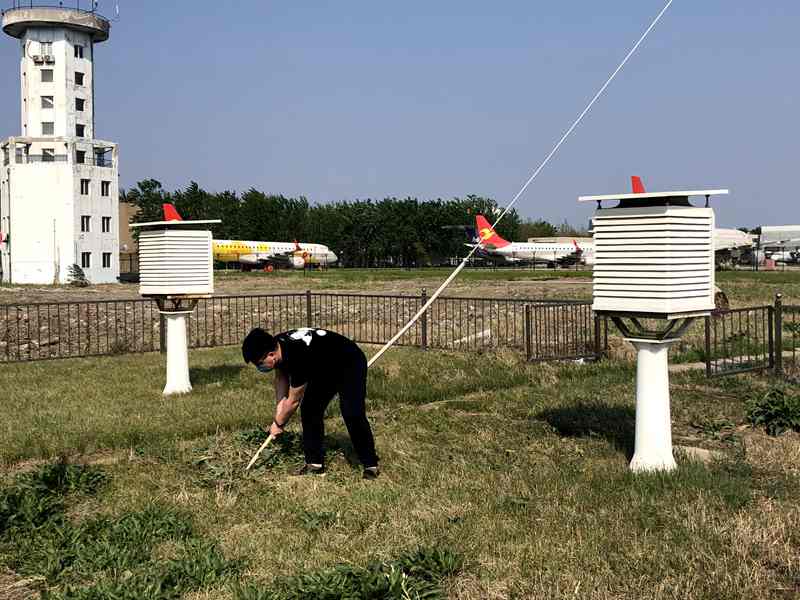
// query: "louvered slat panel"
[[654, 260], [175, 262]]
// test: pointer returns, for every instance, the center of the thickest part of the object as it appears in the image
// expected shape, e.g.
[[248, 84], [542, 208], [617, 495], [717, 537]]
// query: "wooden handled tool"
[[260, 450]]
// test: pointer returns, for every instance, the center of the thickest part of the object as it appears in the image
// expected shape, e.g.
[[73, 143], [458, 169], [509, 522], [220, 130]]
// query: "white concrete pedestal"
[[653, 450], [177, 353]]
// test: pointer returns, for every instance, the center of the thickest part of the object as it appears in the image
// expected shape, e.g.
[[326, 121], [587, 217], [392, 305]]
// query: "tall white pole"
[[177, 354], [653, 449]]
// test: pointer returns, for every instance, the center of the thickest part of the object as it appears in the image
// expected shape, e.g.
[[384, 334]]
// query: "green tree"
[[148, 196], [536, 229]]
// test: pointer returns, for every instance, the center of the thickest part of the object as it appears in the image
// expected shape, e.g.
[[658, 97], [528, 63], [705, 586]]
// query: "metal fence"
[[564, 331], [71, 329], [787, 336], [740, 340], [753, 339], [542, 329]]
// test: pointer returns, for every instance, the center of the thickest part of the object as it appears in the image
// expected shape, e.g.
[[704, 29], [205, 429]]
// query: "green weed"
[[413, 576], [778, 410], [100, 557], [38, 496], [316, 521]]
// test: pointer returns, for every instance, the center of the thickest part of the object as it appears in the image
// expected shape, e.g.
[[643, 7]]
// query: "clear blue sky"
[[346, 100]]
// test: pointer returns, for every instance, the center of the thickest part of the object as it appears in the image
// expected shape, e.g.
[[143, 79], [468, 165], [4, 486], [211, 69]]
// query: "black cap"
[[257, 343]]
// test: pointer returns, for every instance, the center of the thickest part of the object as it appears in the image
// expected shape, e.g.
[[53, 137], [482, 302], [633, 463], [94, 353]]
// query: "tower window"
[[48, 154], [78, 78], [47, 102], [84, 187], [106, 224], [48, 128], [86, 223], [86, 260], [78, 51], [106, 260], [47, 75], [79, 104], [105, 188], [80, 157], [80, 130]]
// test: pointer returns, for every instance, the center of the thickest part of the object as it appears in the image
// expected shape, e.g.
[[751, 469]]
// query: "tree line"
[[404, 232]]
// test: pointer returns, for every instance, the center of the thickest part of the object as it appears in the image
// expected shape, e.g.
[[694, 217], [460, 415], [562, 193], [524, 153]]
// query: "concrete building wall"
[[42, 210], [51, 53], [37, 200]]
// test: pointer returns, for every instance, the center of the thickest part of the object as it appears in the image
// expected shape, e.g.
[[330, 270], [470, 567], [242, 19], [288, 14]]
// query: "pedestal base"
[[653, 449], [177, 353]]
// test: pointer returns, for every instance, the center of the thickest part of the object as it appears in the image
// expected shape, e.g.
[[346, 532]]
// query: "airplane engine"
[[298, 262]]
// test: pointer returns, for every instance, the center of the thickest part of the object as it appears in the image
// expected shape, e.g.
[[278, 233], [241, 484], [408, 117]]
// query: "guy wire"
[[535, 174]]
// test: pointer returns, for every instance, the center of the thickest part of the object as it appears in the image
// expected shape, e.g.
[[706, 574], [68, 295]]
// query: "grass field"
[[500, 480], [336, 275], [744, 288]]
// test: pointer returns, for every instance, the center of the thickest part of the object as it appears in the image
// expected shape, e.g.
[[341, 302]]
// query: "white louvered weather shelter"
[[176, 260], [654, 262], [176, 270]]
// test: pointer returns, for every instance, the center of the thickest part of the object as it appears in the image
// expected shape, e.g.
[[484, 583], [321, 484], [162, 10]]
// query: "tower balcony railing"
[[41, 158], [86, 6], [25, 159], [97, 161]]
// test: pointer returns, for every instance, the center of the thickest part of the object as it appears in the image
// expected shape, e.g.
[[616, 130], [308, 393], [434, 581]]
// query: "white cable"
[[564, 137]]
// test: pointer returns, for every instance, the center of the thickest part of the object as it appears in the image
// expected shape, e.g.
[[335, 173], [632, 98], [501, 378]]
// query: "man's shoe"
[[309, 469], [371, 473]]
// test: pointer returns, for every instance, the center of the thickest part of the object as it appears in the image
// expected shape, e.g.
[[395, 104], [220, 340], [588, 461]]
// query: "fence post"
[[308, 309], [528, 349], [162, 333], [423, 320], [707, 320], [598, 352], [771, 336], [778, 334]]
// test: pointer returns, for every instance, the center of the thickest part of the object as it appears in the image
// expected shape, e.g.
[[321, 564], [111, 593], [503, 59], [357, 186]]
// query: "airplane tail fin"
[[636, 183], [487, 235], [170, 213]]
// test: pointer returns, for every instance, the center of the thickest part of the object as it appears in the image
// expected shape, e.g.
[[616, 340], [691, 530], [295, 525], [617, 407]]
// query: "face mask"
[[263, 368]]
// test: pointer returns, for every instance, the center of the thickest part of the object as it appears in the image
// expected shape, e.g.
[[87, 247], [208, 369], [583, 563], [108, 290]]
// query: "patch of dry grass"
[[520, 468]]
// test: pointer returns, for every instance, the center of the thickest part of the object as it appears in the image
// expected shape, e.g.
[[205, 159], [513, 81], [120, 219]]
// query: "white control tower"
[[59, 202]]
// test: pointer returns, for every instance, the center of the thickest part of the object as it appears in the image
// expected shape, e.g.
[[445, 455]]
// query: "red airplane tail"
[[487, 236], [637, 185], [170, 213]]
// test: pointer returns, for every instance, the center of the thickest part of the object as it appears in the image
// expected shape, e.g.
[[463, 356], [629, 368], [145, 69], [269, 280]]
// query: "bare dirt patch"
[[234, 284], [14, 587]]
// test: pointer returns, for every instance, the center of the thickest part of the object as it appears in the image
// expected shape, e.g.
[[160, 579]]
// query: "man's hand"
[[274, 430]]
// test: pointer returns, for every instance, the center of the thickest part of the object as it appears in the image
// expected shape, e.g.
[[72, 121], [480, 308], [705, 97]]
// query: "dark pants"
[[350, 382]]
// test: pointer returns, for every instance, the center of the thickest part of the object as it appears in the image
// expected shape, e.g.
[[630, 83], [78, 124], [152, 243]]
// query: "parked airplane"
[[781, 251], [729, 244], [264, 254], [491, 245]]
